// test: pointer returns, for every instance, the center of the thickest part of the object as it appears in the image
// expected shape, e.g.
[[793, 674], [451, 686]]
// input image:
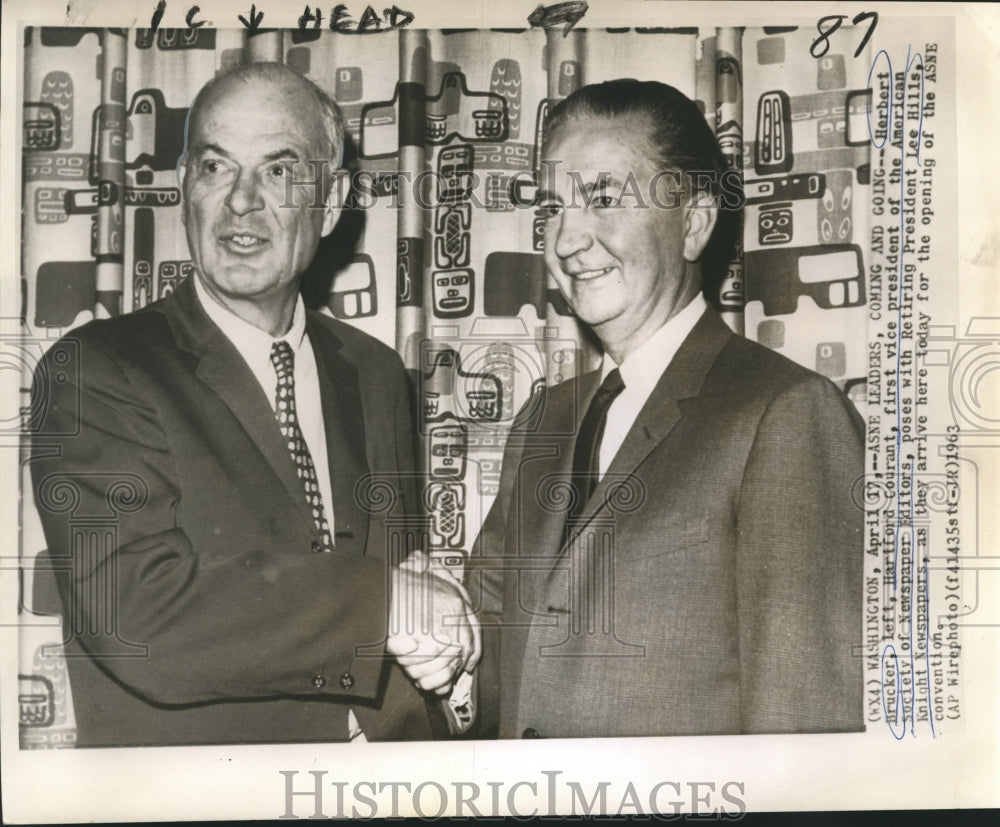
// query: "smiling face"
[[248, 244], [620, 252]]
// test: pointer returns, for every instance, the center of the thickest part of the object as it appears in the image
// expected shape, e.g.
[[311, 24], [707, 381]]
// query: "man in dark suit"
[[251, 455], [674, 548]]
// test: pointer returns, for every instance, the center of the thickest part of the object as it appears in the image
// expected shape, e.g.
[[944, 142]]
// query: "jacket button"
[[318, 681], [530, 732], [346, 680], [316, 545]]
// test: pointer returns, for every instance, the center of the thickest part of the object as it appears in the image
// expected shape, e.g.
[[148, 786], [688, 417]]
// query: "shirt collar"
[[644, 366], [252, 342]]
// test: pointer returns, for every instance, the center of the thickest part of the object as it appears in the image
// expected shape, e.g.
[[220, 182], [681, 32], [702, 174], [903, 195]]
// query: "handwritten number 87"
[[817, 50]]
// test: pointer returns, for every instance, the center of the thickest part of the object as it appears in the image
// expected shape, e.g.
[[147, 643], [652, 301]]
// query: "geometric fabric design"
[[283, 360]]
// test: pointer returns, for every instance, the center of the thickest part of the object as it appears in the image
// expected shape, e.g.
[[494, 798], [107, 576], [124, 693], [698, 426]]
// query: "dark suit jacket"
[[725, 595], [196, 607]]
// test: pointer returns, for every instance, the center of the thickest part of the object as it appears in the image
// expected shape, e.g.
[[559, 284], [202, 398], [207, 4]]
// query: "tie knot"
[[283, 359], [612, 385]]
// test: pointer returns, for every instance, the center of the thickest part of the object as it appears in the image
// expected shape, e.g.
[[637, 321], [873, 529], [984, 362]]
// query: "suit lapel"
[[543, 534], [682, 380], [536, 531], [344, 421], [225, 371]]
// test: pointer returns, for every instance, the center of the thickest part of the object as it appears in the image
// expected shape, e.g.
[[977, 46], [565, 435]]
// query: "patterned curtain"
[[455, 280]]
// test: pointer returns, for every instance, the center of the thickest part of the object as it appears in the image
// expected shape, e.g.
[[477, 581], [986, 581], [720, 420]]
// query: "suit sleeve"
[[800, 565], [486, 589], [257, 619], [405, 414]]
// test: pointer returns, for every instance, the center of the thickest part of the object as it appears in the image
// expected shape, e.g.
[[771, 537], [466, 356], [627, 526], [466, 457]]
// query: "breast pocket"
[[637, 547]]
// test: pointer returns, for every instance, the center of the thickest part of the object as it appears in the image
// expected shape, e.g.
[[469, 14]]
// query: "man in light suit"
[[674, 549], [242, 592]]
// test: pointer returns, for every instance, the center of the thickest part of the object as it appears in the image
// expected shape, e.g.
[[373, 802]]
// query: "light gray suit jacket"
[[722, 589]]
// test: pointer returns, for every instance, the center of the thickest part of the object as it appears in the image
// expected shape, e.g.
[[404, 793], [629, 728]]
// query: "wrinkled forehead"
[[632, 130], [594, 147]]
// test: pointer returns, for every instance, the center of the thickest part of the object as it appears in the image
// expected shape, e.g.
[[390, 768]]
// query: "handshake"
[[433, 630]]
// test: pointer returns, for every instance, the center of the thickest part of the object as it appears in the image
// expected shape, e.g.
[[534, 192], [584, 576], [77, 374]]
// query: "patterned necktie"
[[283, 359], [586, 454]]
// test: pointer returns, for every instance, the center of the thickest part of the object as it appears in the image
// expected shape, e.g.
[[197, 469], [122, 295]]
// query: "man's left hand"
[[433, 631]]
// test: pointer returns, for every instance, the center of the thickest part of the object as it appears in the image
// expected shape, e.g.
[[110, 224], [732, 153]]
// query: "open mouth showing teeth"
[[589, 275], [243, 240]]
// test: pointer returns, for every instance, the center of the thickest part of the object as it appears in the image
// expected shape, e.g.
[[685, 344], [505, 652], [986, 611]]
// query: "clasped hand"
[[433, 631]]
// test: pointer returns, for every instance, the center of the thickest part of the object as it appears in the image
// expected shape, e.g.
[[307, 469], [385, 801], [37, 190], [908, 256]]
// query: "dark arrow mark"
[[255, 18]]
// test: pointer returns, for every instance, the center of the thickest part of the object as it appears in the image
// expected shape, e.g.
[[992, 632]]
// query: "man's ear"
[[333, 206], [700, 215], [181, 175]]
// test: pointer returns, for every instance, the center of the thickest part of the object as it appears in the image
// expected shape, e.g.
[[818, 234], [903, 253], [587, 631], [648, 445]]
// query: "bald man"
[[243, 596]]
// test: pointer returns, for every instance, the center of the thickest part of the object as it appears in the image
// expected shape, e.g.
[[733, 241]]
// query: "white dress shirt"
[[640, 372], [254, 346]]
